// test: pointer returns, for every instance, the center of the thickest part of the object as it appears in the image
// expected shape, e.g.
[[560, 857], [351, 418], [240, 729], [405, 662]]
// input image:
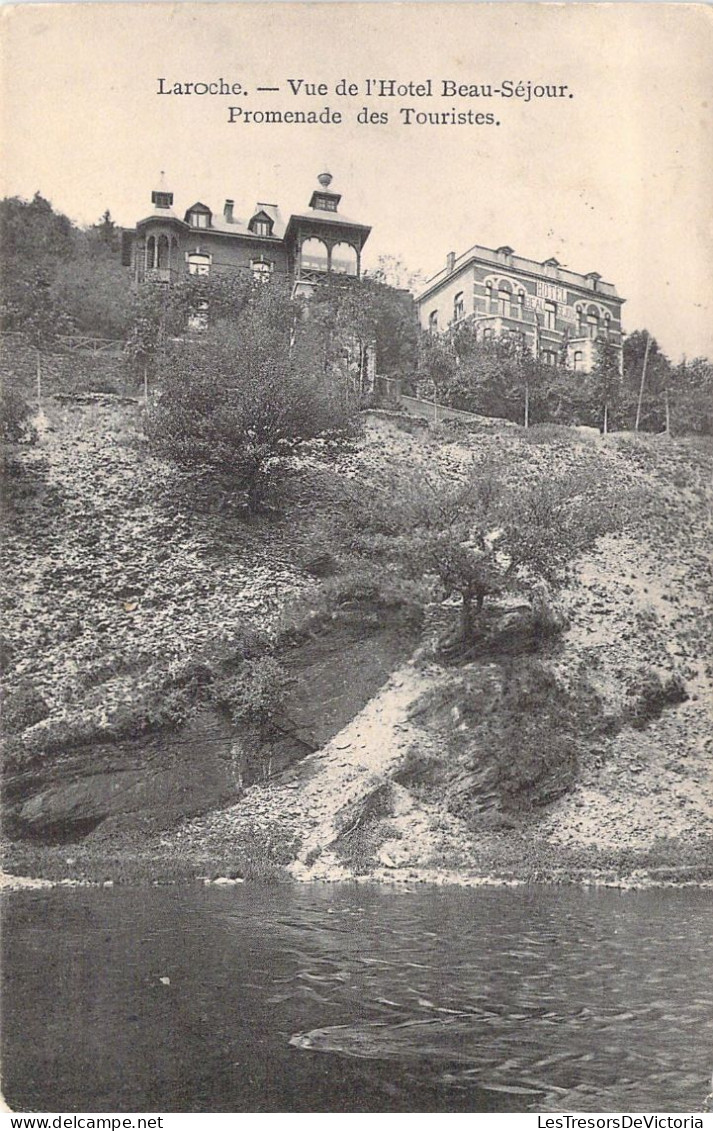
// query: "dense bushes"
[[480, 536], [500, 378], [238, 400]]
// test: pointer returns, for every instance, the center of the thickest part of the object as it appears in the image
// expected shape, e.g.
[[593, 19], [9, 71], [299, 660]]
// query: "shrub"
[[256, 693], [652, 694], [23, 708], [521, 744], [15, 415]]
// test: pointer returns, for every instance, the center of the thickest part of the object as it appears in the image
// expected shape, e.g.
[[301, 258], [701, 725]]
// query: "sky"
[[615, 179]]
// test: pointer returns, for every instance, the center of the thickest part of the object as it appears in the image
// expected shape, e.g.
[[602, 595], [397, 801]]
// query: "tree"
[[481, 536], [236, 400], [391, 270], [107, 232], [92, 287], [369, 313], [605, 382], [496, 378], [690, 393], [437, 368], [646, 377], [57, 278]]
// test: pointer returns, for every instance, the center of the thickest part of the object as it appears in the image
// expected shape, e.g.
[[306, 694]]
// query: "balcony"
[[159, 275]]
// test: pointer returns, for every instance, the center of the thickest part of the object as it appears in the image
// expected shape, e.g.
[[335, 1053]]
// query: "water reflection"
[[357, 999]]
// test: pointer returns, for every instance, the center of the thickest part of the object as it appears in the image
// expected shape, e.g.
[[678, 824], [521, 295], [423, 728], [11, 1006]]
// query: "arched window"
[[150, 252], [162, 252], [504, 297], [458, 307], [433, 322], [488, 334], [344, 259], [491, 306], [580, 321], [174, 252], [578, 361], [314, 256], [198, 263], [593, 326]]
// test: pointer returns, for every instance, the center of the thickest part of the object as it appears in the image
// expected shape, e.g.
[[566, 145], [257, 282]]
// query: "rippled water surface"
[[356, 999]]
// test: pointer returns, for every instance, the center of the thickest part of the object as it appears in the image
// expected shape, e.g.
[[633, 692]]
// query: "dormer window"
[[198, 215], [261, 224]]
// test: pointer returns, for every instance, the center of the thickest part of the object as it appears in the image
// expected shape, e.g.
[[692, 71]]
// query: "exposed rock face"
[[155, 780], [166, 777]]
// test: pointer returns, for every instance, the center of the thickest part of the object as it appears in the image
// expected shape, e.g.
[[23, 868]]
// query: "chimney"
[[228, 211], [450, 261]]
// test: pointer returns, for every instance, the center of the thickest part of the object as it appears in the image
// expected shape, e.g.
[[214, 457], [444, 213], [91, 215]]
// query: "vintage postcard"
[[357, 401]]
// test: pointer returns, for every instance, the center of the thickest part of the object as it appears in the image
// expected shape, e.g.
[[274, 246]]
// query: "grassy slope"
[[121, 582]]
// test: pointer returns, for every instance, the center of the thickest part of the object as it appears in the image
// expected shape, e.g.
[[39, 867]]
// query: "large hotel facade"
[[559, 314], [307, 247]]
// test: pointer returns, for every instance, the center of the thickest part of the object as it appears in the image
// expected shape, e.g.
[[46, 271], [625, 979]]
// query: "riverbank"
[[344, 814]]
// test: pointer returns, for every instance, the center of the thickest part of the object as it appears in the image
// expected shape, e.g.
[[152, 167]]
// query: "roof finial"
[[325, 179]]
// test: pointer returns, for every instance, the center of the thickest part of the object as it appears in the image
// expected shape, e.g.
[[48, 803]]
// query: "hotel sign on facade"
[[549, 292]]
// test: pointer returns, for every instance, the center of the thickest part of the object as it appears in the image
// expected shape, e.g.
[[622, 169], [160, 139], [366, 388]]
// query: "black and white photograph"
[[356, 370]]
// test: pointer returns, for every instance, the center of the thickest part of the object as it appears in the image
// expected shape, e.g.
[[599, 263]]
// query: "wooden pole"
[[643, 382], [39, 378], [146, 384], [527, 405]]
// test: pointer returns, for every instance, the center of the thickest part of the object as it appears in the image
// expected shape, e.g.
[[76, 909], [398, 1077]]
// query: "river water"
[[356, 999]]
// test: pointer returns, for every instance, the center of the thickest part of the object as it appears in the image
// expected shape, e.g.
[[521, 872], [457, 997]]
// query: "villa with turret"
[[306, 247]]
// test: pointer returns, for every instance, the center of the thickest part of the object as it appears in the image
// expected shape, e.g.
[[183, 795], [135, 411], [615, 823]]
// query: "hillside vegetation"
[[157, 623]]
